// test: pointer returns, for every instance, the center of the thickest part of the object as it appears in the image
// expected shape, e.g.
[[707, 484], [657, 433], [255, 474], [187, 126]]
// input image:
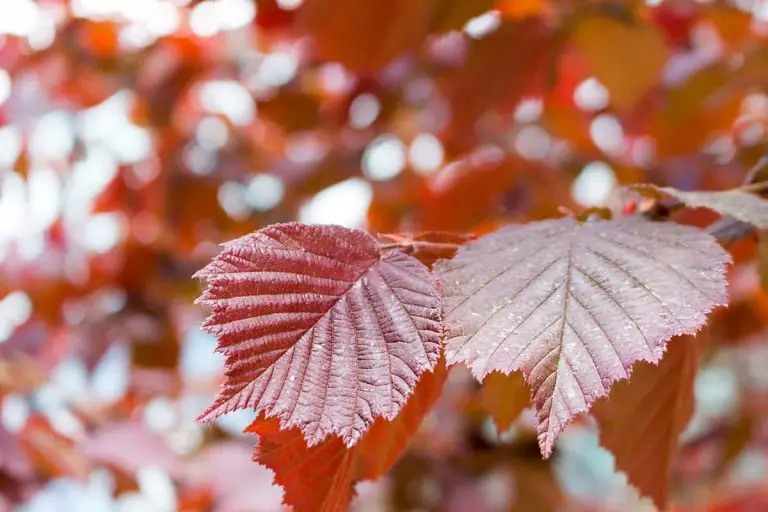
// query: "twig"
[[420, 246], [728, 230], [752, 173]]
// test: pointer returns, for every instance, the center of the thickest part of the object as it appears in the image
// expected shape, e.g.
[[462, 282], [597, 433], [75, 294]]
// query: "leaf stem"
[[420, 246], [752, 173], [760, 186]]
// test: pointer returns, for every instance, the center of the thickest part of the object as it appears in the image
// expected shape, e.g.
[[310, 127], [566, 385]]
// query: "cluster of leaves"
[[327, 333], [177, 126]]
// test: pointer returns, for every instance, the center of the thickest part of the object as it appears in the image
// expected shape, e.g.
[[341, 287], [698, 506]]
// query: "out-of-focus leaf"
[[319, 328], [13, 460], [676, 21], [608, 43], [453, 14], [732, 24], [466, 192], [505, 397], [497, 72], [536, 489], [271, 16], [742, 205], [518, 9], [693, 110], [762, 258], [147, 449], [574, 305], [737, 439], [365, 36], [232, 481], [293, 110], [54, 454], [642, 418], [322, 477]]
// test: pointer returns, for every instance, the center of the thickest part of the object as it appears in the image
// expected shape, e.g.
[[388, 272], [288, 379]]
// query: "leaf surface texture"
[[319, 328], [574, 305]]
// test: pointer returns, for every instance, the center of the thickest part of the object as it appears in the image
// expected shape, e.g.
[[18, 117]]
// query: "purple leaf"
[[319, 328], [573, 305]]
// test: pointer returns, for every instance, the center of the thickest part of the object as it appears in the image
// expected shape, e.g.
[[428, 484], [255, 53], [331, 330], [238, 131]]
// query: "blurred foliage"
[[137, 135]]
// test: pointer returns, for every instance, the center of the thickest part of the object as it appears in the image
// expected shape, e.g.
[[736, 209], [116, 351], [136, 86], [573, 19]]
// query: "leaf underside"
[[505, 397], [573, 305], [319, 329], [645, 444], [322, 477], [744, 206]]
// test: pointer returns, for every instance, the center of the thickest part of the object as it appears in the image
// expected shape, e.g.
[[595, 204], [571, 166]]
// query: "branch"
[[729, 230]]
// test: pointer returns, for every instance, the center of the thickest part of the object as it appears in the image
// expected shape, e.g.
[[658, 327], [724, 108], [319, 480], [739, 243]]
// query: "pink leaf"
[[573, 305], [319, 328]]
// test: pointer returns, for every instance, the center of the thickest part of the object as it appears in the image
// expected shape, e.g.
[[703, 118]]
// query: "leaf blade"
[[745, 206], [573, 306], [505, 397], [302, 311], [662, 422], [322, 477]]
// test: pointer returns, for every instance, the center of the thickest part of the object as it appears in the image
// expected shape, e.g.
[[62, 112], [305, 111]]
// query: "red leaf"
[[53, 454], [365, 36], [493, 78], [320, 328], [574, 305], [505, 397], [322, 477], [644, 444], [469, 190]]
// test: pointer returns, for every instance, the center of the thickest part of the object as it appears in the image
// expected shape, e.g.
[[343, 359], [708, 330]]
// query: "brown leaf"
[[498, 71], [453, 14], [608, 43], [693, 110], [366, 36], [293, 110], [468, 191], [536, 488], [505, 397], [641, 420], [322, 477]]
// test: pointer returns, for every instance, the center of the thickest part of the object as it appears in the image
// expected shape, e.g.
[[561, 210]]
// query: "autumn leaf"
[[505, 397], [430, 246], [492, 78], [693, 110], [322, 477], [574, 305], [642, 419], [607, 43], [366, 36], [741, 204], [453, 14], [319, 328]]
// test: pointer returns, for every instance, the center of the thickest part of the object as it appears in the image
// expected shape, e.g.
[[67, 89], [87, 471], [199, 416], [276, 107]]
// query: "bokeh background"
[[136, 135]]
